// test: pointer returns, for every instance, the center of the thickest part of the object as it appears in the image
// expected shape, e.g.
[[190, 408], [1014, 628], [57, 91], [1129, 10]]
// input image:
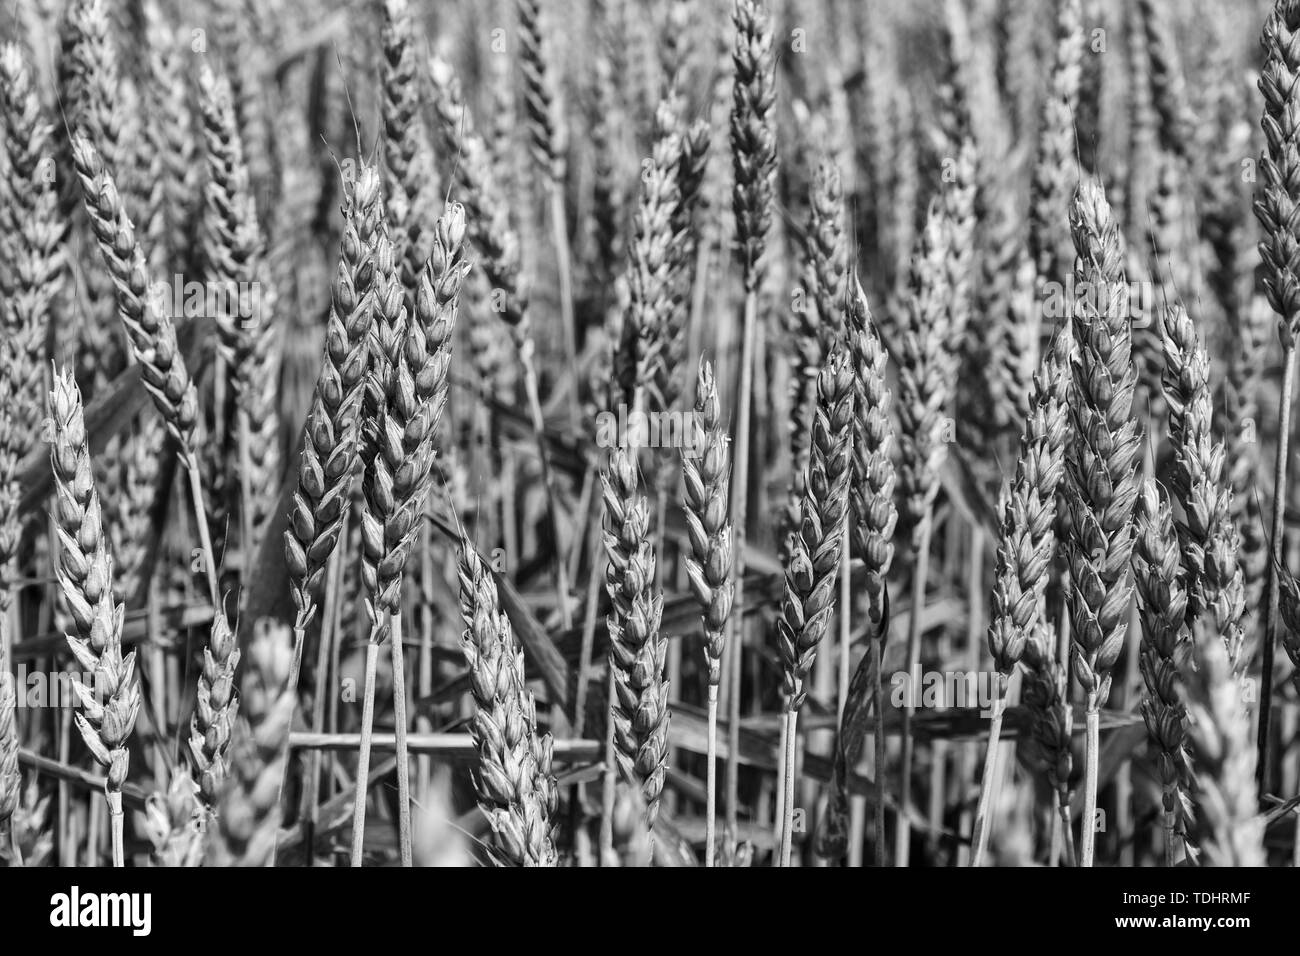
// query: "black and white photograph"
[[650, 433]]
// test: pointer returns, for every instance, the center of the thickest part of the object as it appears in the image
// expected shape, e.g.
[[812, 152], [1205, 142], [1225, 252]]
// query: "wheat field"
[[594, 433]]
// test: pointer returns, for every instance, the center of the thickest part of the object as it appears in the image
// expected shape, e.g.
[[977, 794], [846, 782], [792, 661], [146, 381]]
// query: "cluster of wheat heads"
[[580, 432]]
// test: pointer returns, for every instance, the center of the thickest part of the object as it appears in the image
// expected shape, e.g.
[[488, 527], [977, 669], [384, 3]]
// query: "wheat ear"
[[415, 356], [1026, 548], [637, 651], [84, 570], [753, 163], [148, 327], [215, 710], [516, 789]]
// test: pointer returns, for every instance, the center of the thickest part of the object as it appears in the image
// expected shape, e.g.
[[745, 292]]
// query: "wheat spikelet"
[[813, 566], [515, 787], [753, 136], [84, 570], [174, 822], [331, 438], [871, 489], [248, 810], [151, 333], [215, 711], [1163, 598], [1276, 202], [637, 650]]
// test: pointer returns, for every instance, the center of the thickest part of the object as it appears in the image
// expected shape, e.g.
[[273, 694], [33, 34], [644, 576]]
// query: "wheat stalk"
[[926, 369], [708, 566], [1026, 548], [515, 787], [815, 551], [1276, 208], [753, 163], [1102, 465], [84, 570], [413, 358]]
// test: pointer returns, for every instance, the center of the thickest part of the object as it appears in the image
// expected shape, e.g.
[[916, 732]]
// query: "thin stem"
[[980, 834], [1088, 825], [563, 263], [399, 729], [739, 507], [245, 494], [787, 818], [878, 701], [1262, 777], [711, 780], [903, 829], [205, 539], [606, 848], [846, 596], [115, 822], [1066, 828], [363, 755]]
